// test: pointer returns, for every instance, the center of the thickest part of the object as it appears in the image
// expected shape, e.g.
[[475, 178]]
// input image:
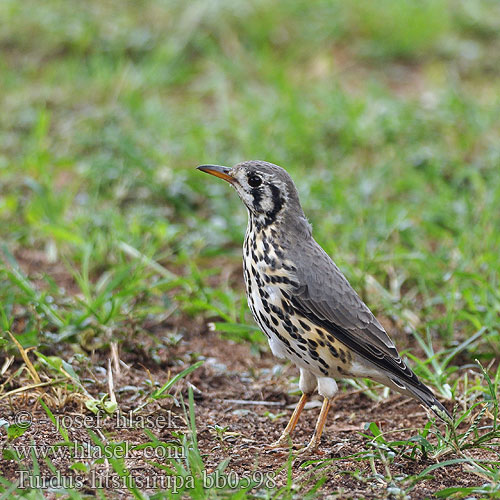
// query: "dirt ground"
[[242, 403], [242, 400]]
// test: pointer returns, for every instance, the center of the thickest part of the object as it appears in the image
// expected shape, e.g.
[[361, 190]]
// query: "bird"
[[304, 304]]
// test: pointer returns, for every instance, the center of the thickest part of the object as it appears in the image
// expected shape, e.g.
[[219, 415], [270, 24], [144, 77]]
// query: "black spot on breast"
[[283, 339], [291, 282], [264, 320], [276, 310], [265, 305], [312, 343], [289, 326], [273, 330], [291, 330], [313, 354], [286, 306], [274, 319], [323, 362], [342, 355], [305, 326], [333, 351]]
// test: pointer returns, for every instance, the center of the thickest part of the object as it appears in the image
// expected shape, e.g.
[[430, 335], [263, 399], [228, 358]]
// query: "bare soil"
[[242, 403], [247, 398]]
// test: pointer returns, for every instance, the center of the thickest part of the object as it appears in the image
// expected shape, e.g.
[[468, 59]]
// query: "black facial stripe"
[[257, 197], [261, 218], [277, 204]]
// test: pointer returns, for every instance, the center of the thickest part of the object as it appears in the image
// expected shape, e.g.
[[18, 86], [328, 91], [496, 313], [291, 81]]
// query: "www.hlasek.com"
[[88, 451], [174, 484]]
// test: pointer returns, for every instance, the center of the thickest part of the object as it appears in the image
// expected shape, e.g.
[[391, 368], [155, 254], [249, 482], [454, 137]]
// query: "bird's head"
[[266, 189]]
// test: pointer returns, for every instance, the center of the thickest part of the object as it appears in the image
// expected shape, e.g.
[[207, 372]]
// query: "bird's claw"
[[283, 442], [310, 448]]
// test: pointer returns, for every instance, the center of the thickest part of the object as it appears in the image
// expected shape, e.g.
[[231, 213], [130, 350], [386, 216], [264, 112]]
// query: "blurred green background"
[[385, 112], [387, 115]]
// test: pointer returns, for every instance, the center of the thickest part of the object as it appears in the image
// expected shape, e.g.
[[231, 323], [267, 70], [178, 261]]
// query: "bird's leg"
[[320, 424], [292, 423], [327, 387], [307, 384]]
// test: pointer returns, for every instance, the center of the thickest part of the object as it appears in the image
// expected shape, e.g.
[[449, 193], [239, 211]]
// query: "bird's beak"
[[218, 171]]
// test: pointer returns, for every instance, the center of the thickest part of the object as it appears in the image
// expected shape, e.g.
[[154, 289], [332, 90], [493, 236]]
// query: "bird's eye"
[[254, 181]]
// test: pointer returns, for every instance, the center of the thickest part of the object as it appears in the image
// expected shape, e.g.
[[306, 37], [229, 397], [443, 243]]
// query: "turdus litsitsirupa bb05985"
[[302, 301]]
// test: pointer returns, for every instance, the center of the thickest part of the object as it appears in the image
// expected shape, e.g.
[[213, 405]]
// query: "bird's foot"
[[283, 442], [310, 448]]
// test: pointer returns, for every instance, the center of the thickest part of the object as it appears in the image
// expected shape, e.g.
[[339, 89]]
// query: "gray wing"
[[326, 298]]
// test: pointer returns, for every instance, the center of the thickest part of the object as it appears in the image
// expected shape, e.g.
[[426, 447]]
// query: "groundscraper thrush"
[[302, 301]]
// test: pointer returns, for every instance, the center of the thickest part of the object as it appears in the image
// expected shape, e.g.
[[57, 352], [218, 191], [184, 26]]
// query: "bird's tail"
[[421, 392]]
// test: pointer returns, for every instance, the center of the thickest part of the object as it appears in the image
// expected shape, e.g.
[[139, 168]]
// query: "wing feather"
[[327, 299]]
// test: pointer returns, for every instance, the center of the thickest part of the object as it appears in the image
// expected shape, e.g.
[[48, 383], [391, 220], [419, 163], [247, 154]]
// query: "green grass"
[[386, 114]]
